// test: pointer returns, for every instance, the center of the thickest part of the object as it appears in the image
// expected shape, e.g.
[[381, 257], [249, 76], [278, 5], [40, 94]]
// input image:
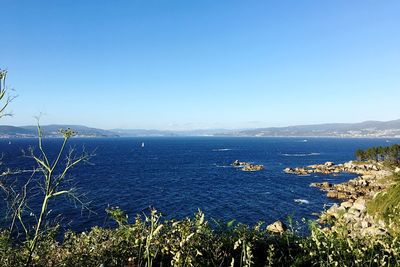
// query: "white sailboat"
[[142, 144]]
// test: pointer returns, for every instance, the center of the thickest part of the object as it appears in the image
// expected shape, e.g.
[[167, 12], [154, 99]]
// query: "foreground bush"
[[151, 241]]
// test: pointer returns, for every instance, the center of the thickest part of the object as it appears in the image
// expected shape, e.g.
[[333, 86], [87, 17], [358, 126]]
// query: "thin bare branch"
[[40, 141]]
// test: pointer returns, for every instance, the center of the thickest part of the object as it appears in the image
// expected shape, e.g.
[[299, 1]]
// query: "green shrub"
[[151, 241]]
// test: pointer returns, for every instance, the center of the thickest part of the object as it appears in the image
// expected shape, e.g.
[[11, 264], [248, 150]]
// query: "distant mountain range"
[[7, 131], [52, 131], [363, 129]]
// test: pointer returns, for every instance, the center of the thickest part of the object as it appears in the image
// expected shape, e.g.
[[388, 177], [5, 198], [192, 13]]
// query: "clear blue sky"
[[201, 64]]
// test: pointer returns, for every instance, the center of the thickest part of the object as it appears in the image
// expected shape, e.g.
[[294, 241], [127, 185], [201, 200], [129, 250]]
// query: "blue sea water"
[[179, 175]]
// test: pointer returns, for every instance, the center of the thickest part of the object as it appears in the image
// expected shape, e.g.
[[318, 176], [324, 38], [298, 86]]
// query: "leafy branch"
[[54, 175]]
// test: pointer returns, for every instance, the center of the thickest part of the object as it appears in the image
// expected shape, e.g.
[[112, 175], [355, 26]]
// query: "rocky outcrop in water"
[[253, 167], [238, 163], [331, 168], [366, 185], [248, 167], [323, 185]]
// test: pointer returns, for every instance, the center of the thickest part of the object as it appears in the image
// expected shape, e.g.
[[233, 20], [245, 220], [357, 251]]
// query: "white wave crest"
[[300, 154], [222, 166], [301, 201]]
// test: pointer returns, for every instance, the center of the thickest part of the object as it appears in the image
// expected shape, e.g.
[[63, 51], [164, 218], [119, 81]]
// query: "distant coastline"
[[367, 129]]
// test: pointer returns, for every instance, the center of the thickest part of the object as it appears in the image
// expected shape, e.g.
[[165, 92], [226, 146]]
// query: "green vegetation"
[[389, 154], [151, 241], [50, 177], [386, 205]]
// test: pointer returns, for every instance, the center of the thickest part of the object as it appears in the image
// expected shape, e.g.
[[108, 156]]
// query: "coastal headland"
[[356, 194]]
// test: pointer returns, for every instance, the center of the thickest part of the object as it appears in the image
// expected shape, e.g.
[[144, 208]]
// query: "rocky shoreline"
[[352, 212]]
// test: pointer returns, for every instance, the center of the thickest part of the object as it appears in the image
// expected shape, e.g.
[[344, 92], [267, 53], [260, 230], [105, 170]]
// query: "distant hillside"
[[6, 130], [363, 129], [52, 131]]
